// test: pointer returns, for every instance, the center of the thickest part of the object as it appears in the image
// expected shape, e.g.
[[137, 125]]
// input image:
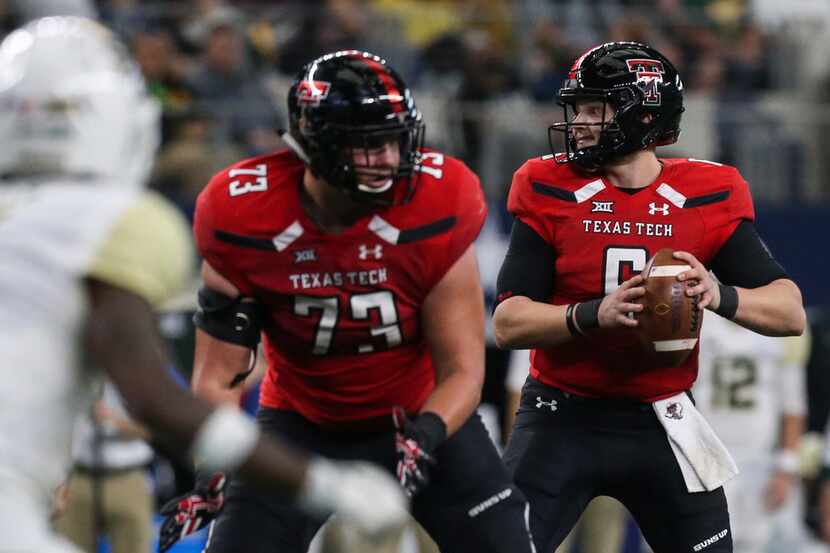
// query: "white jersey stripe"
[[671, 195], [589, 190], [384, 230], [288, 236]]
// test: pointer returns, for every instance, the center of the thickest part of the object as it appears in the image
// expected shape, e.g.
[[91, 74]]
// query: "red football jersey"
[[343, 333], [603, 236]]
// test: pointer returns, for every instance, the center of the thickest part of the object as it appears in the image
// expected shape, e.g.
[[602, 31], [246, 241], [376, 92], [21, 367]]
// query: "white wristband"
[[786, 460], [361, 493], [225, 439], [321, 484]]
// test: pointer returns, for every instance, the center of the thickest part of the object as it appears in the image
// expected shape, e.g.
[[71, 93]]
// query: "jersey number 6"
[[619, 264]]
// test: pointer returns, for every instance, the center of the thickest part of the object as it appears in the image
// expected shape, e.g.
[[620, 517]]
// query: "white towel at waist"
[[704, 460]]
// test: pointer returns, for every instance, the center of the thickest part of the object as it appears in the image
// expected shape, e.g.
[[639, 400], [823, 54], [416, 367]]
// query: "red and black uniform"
[[342, 329], [344, 341], [602, 236], [586, 426]]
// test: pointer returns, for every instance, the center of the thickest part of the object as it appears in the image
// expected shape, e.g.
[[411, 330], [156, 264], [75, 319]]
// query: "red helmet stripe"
[[574, 72], [392, 90]]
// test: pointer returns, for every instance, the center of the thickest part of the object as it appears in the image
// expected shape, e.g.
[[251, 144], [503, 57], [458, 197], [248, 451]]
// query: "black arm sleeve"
[[745, 261], [229, 319], [528, 268]]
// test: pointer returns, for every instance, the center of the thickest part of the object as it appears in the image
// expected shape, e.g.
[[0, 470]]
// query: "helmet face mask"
[[347, 107], [641, 86], [363, 150]]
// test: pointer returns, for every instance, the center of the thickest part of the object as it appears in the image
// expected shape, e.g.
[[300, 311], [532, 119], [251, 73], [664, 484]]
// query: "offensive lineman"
[[352, 253], [84, 253]]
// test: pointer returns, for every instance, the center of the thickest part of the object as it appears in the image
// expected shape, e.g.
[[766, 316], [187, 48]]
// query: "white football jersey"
[[746, 382], [52, 236], [79, 133]]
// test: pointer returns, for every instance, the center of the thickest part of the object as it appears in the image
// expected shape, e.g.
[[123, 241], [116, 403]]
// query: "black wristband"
[[728, 301], [569, 320], [586, 315], [432, 430]]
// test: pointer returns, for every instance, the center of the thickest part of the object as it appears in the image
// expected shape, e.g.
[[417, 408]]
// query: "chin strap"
[[295, 146]]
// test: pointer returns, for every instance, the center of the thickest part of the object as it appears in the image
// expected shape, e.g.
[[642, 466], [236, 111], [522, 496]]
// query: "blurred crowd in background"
[[485, 73]]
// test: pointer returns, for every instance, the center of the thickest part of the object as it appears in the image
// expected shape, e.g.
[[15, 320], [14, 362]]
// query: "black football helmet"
[[352, 101], [635, 80]]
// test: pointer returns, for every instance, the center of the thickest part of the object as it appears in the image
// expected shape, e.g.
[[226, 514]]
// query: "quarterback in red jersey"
[[595, 417], [351, 253]]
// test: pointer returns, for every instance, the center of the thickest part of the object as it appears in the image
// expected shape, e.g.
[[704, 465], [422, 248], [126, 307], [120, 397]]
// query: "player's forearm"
[[218, 393], [216, 367], [773, 310], [455, 398], [125, 426], [521, 323], [792, 427]]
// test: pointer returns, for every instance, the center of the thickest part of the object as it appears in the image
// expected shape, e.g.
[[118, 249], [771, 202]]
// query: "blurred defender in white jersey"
[[84, 254], [751, 388]]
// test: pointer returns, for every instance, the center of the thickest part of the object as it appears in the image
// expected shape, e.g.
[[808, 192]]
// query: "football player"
[[596, 416], [751, 388], [352, 253], [85, 252]]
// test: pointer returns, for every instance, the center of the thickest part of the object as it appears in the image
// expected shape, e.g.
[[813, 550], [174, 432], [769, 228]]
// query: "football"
[[669, 324]]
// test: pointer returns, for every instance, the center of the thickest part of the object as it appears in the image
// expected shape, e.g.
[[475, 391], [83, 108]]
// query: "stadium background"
[[485, 74]]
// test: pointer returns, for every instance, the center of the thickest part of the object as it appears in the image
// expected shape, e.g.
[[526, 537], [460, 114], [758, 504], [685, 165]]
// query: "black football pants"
[[454, 508], [566, 450]]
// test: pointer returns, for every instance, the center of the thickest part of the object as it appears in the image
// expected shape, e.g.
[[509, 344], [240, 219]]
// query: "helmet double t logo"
[[649, 76]]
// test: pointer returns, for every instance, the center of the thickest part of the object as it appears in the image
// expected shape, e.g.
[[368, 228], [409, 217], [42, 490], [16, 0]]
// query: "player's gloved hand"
[[188, 513], [415, 443], [363, 495]]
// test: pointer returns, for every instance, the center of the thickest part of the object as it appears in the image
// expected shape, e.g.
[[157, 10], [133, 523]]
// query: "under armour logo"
[[376, 251], [654, 209], [542, 403], [674, 411], [304, 255], [602, 207]]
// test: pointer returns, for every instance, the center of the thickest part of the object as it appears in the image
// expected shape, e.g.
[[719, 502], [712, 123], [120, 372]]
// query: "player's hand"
[[194, 510], [363, 496], [60, 500], [706, 287], [778, 490], [414, 456], [616, 306]]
